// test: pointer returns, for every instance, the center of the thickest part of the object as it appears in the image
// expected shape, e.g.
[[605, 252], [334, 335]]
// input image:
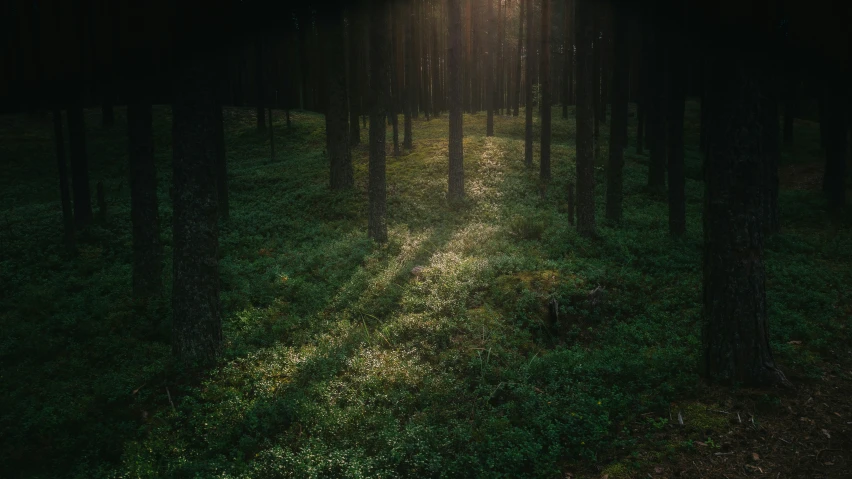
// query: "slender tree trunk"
[[456, 153], [354, 77], [393, 106], [519, 56], [144, 212], [657, 117], [567, 57], [835, 131], [735, 334], [79, 167], [618, 127], [336, 116], [196, 321], [528, 130], [546, 109], [64, 191], [585, 118], [772, 151], [410, 74], [676, 61], [790, 106], [260, 86], [489, 70], [435, 66], [596, 75], [379, 79]]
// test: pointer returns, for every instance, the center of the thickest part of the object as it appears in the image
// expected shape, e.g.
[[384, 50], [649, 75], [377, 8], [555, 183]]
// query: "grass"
[[340, 362]]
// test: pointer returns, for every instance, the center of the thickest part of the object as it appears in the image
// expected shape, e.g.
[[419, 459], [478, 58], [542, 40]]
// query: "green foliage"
[[340, 361]]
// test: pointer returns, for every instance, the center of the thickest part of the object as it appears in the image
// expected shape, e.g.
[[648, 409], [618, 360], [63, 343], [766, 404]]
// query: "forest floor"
[[344, 360]]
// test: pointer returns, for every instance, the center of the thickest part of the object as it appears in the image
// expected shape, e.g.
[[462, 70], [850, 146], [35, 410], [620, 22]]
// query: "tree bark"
[[354, 77], [64, 191], [657, 116], [676, 61], [528, 125], [518, 64], [379, 83], [735, 334], [196, 321], [260, 86], [489, 70], [546, 109], [790, 106], [833, 121], [410, 75], [456, 147], [144, 211], [618, 127], [585, 118], [336, 116], [79, 167], [567, 58]]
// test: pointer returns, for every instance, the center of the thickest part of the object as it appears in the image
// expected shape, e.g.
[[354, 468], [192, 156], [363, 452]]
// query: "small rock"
[[417, 271], [755, 457]]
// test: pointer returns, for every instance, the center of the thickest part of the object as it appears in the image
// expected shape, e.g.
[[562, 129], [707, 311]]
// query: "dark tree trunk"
[[410, 75], [223, 206], [64, 192], [435, 65], [596, 75], [196, 320], [354, 77], [834, 127], [102, 205], [790, 106], [640, 126], [518, 64], [618, 127], [657, 116], [379, 87], [456, 153], [676, 86], [79, 167], [393, 107], [735, 334], [144, 212], [567, 58], [546, 109], [489, 71], [772, 151], [528, 128], [336, 116], [260, 86], [585, 117]]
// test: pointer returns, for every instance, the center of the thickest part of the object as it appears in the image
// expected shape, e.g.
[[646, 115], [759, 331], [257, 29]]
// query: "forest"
[[425, 238]]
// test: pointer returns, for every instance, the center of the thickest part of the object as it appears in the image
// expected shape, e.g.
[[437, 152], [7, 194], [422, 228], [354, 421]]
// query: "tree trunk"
[[657, 116], [567, 58], [79, 167], [144, 212], [196, 321], [596, 75], [489, 70], [260, 86], [354, 77], [379, 86], [64, 192], [772, 151], [393, 99], [528, 126], [618, 127], [833, 120], [546, 110], [410, 75], [735, 334], [585, 118], [518, 64], [456, 153], [676, 86], [336, 116], [790, 104]]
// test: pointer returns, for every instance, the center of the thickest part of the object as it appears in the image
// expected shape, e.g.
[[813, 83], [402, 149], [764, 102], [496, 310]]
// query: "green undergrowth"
[[342, 362]]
